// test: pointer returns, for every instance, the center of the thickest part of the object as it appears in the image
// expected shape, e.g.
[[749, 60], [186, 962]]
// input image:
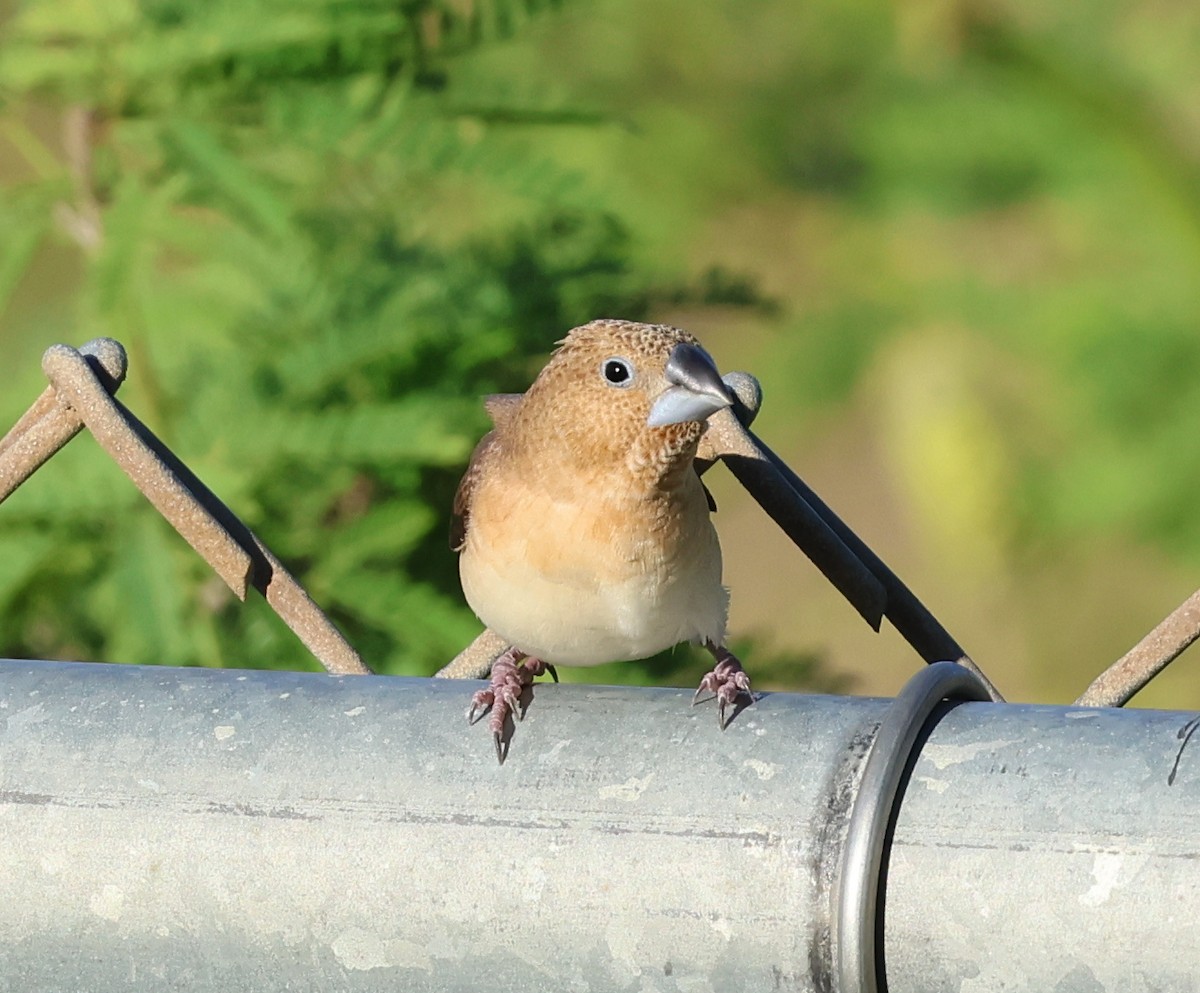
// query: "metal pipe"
[[222, 830], [856, 918]]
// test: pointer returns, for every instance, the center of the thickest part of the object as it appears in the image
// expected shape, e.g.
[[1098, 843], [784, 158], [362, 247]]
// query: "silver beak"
[[696, 391]]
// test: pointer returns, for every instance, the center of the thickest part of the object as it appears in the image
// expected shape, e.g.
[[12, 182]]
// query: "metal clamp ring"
[[857, 890]]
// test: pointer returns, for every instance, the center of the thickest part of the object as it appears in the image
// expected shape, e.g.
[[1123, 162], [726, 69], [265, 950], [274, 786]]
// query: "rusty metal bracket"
[[81, 394]]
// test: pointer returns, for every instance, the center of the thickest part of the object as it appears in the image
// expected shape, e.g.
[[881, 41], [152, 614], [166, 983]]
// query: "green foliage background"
[[958, 241]]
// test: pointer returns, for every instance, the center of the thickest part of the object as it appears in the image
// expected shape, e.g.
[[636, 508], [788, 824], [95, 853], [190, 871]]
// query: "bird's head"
[[616, 390]]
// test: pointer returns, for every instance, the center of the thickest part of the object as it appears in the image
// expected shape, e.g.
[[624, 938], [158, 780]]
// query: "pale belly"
[[558, 593]]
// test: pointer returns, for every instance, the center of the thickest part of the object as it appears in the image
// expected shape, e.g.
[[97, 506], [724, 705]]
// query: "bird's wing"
[[500, 407], [461, 515]]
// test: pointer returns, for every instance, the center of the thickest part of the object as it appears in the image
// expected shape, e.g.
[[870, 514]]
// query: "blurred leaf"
[[422, 625], [290, 247], [22, 553], [384, 535], [75, 19], [412, 430], [17, 249], [144, 596], [214, 166]]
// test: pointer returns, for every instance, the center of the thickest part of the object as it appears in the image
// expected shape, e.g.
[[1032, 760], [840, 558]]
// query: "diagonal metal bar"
[[1119, 682], [475, 661], [728, 439], [737, 448], [826, 539], [125, 440], [80, 395]]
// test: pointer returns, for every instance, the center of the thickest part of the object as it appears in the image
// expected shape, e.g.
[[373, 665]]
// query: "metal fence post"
[[221, 830]]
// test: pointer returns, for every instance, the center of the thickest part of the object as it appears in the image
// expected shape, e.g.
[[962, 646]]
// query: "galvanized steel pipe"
[[220, 830]]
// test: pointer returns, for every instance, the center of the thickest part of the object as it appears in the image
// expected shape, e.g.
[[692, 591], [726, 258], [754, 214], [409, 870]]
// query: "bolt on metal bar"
[[235, 831], [81, 395]]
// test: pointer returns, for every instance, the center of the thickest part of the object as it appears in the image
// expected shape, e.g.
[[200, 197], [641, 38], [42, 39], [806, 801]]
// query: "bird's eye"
[[618, 372]]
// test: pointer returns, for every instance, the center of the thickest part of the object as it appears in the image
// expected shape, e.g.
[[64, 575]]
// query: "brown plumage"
[[583, 529]]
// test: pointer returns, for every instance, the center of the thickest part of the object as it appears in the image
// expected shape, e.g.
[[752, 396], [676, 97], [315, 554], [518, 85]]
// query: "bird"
[[583, 530]]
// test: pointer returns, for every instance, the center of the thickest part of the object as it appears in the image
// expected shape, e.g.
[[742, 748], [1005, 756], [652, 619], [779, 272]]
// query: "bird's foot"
[[512, 672], [728, 682]]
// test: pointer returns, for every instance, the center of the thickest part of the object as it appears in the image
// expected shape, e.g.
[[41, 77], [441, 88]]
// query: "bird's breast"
[[592, 576]]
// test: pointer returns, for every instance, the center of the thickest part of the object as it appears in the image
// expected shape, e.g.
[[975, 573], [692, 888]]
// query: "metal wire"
[[82, 384], [81, 394]]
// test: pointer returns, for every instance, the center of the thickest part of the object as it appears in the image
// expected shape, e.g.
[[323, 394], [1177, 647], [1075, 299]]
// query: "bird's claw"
[[728, 682], [512, 672], [481, 703]]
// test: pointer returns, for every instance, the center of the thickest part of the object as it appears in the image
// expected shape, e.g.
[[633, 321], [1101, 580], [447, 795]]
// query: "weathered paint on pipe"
[[217, 830]]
